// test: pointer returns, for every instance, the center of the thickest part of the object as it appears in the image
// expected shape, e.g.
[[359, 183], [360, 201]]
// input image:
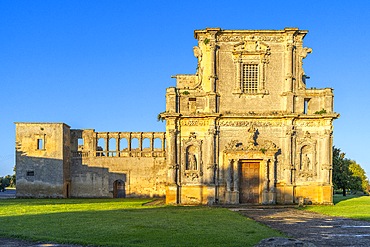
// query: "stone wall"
[[42, 159]]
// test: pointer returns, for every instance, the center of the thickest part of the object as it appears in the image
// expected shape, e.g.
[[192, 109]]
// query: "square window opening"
[[40, 144]]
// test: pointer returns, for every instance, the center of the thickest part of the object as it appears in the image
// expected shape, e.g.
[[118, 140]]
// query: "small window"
[[192, 99], [40, 144], [30, 173], [249, 78], [80, 141], [305, 107]]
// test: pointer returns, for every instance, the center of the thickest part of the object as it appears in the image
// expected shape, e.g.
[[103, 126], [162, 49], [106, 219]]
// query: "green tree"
[[4, 182], [359, 175], [342, 175]]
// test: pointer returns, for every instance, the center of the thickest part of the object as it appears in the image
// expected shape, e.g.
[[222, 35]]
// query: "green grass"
[[126, 222], [351, 206]]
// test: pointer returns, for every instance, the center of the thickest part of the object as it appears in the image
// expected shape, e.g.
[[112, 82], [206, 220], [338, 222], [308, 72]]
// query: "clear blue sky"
[[106, 64]]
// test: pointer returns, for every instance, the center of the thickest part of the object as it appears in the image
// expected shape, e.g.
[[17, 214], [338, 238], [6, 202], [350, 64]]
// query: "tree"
[[358, 173], [347, 174], [341, 172], [4, 182]]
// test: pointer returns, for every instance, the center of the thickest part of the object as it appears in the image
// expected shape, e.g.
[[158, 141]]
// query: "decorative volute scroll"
[[191, 162]]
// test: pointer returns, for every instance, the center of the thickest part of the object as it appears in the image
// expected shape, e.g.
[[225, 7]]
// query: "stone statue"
[[192, 162]]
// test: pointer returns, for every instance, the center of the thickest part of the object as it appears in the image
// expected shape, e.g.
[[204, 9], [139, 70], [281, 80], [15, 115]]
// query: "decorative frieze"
[[193, 122], [238, 38], [246, 123]]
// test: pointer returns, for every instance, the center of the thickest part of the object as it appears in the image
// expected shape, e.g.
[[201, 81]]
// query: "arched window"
[[146, 144], [112, 147], [134, 143], [157, 143], [100, 147], [123, 144]]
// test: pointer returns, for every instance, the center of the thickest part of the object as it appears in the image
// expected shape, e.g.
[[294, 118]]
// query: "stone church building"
[[243, 129]]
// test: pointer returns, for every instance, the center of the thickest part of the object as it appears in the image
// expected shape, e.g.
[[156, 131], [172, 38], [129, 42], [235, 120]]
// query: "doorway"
[[249, 189], [119, 190]]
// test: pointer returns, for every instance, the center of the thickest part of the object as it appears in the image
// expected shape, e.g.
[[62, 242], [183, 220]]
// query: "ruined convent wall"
[[102, 158], [42, 159]]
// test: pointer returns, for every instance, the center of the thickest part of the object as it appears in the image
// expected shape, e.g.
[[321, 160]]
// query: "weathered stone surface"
[[243, 129]]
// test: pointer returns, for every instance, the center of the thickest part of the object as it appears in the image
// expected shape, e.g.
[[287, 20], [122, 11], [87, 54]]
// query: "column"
[[229, 175], [129, 142], [211, 154], [152, 142], [265, 167], [289, 66], [171, 153]]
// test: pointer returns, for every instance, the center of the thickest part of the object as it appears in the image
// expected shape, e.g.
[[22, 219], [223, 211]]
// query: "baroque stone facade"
[[243, 129]]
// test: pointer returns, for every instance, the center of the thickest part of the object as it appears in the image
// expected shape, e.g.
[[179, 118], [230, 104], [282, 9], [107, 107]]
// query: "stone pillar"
[[152, 143], [238, 86], [171, 159], [328, 157], [210, 174], [118, 144], [272, 181], [229, 179], [129, 142], [107, 145], [212, 64], [289, 65], [294, 155], [141, 142], [265, 196], [235, 192], [229, 175]]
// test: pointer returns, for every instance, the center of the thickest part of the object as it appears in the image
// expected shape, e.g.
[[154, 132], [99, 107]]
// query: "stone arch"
[[112, 143], [157, 143], [146, 144], [135, 144], [123, 144], [119, 190]]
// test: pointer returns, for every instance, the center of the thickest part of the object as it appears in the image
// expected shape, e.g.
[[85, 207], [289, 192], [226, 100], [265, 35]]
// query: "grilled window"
[[249, 78]]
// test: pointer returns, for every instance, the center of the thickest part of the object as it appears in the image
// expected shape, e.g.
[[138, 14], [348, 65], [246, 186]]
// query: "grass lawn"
[[355, 207], [126, 222]]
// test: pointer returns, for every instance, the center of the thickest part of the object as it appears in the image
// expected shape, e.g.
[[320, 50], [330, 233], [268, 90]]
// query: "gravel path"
[[312, 227]]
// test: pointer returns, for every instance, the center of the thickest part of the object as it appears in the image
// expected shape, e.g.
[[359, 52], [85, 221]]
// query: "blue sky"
[[106, 64]]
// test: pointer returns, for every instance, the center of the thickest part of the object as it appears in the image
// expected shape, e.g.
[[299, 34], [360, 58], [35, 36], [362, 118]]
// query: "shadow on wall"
[[39, 177]]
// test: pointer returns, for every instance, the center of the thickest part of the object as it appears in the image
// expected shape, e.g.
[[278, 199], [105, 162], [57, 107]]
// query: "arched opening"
[[134, 144], [157, 143], [101, 148], [112, 147], [119, 190], [123, 144], [146, 144]]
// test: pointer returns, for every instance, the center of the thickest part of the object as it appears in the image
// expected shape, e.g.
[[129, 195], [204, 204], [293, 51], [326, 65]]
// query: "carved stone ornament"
[[264, 146], [191, 161], [326, 167], [192, 174], [236, 38]]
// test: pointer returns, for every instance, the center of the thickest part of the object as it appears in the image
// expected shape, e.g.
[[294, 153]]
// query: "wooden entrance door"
[[249, 182]]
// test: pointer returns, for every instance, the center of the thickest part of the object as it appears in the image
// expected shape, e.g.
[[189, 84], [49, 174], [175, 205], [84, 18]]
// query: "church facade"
[[243, 129]]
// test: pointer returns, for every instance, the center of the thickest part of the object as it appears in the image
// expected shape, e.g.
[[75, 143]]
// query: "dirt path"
[[312, 227]]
